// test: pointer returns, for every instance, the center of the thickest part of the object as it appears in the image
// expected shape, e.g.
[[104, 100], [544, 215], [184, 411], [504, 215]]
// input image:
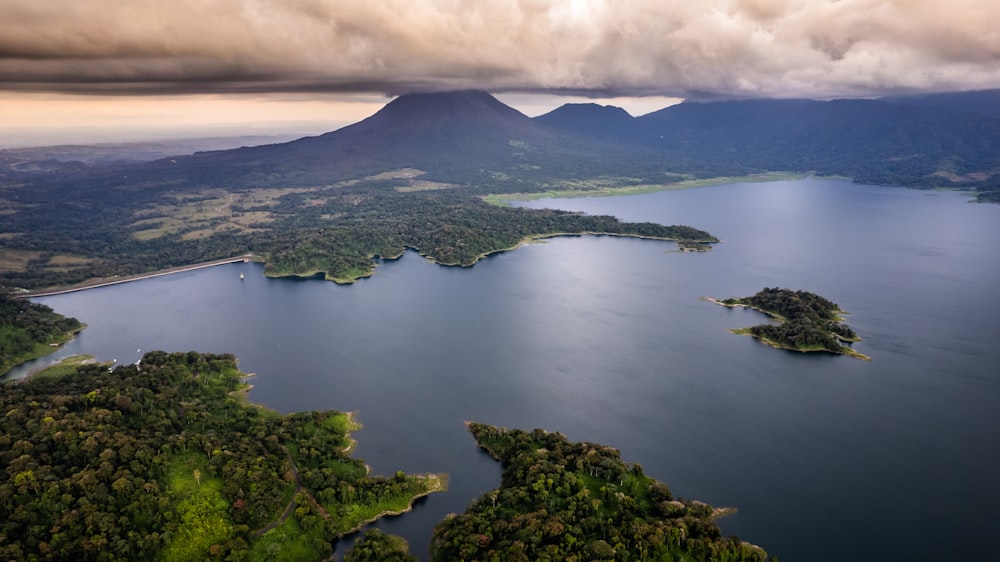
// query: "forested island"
[[560, 500], [166, 460], [807, 322], [29, 331]]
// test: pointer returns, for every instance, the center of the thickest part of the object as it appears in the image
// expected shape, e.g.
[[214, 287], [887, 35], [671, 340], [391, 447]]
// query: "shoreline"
[[494, 199], [440, 485], [97, 283], [41, 351], [504, 199], [531, 239], [353, 425], [534, 238], [53, 369]]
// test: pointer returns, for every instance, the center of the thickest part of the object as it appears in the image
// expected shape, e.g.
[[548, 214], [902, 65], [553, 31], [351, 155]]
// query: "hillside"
[[411, 175], [982, 102], [906, 141], [869, 140]]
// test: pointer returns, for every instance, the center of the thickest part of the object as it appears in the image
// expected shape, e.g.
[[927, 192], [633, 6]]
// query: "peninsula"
[[29, 330], [807, 322], [166, 460], [561, 500]]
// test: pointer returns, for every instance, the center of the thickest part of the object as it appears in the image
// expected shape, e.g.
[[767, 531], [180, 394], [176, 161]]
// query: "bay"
[[606, 339]]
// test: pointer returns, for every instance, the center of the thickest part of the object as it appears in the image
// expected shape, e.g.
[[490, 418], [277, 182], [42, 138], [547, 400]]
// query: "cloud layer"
[[685, 48]]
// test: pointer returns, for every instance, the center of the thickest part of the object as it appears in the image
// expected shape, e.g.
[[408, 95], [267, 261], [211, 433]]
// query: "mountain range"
[[471, 138], [413, 174]]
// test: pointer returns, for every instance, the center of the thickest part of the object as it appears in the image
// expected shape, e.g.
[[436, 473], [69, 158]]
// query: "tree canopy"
[[165, 459], [560, 500], [28, 330], [807, 321]]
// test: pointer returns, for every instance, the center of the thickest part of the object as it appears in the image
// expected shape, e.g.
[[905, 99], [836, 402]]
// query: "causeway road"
[[127, 278]]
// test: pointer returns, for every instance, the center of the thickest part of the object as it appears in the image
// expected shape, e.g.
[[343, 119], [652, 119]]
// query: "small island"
[[560, 500], [807, 322]]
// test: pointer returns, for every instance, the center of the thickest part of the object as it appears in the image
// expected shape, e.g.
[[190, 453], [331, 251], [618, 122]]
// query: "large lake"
[[827, 458]]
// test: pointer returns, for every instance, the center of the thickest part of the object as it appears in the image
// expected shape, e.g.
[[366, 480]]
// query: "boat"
[[241, 276]]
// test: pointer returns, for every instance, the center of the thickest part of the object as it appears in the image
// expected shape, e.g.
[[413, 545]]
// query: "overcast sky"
[[153, 63]]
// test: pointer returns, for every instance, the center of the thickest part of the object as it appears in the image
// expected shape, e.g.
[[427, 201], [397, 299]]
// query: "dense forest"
[[332, 230], [376, 546], [29, 330], [567, 501], [446, 227], [807, 321], [166, 460]]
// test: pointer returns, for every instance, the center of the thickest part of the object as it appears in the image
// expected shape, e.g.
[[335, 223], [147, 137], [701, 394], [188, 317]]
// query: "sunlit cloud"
[[590, 48]]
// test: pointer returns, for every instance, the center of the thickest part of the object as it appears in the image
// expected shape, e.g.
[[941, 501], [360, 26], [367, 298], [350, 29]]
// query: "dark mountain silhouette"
[[870, 140], [984, 102], [469, 137], [601, 121]]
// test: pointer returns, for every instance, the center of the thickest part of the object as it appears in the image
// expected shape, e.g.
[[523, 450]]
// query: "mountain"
[[983, 102], [454, 131], [869, 140], [602, 121]]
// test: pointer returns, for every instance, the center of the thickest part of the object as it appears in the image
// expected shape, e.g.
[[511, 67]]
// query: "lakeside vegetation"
[[616, 186], [560, 500], [336, 231], [165, 460], [29, 331], [376, 546], [807, 322]]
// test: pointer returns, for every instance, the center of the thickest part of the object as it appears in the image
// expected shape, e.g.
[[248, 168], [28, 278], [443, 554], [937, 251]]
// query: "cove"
[[606, 339]]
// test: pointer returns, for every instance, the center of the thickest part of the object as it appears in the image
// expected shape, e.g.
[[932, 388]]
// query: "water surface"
[[605, 339]]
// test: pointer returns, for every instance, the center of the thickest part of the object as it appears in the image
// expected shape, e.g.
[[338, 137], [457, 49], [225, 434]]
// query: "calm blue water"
[[605, 339]]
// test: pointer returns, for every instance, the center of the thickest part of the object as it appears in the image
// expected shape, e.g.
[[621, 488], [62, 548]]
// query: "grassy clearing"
[[342, 422], [357, 515], [288, 542], [69, 261], [65, 367], [207, 212], [253, 218], [424, 185], [199, 508], [402, 173], [16, 260], [148, 229], [347, 470], [617, 186], [41, 349]]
